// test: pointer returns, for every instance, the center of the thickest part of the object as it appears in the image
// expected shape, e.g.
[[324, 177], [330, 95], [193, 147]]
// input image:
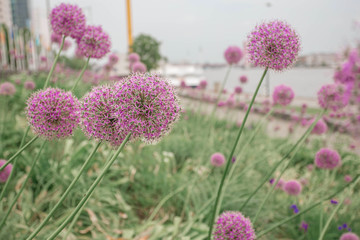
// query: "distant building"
[[5, 13], [20, 13], [317, 60]]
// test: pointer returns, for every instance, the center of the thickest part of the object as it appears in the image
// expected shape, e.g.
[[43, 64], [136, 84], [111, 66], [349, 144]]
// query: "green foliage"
[[148, 49], [73, 62]]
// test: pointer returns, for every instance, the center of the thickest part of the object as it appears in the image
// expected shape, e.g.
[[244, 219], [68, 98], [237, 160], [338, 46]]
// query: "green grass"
[[175, 172]]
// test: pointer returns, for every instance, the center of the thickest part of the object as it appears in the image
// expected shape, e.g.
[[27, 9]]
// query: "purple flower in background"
[[138, 67], [233, 225], [273, 45], [56, 38], [148, 106], [295, 208], [5, 173], [349, 236], [283, 95], [332, 96], [29, 85], [327, 158], [53, 113], [243, 79], [305, 226], [238, 90], [347, 178], [133, 57], [203, 84], [7, 88], [68, 20], [67, 45], [233, 55], [292, 187], [319, 128], [113, 58], [233, 159], [95, 43], [334, 202], [272, 180], [217, 159]]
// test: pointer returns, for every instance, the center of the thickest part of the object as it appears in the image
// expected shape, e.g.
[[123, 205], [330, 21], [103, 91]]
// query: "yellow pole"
[[130, 40]]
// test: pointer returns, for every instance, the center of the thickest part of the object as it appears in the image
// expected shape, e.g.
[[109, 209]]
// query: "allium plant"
[[320, 127], [233, 55], [283, 95], [68, 20], [292, 187], [243, 79], [217, 159], [29, 85], [133, 58], [94, 43], [332, 96], [7, 88], [349, 236], [53, 113], [233, 225], [4, 174], [327, 159], [138, 67], [113, 58], [273, 45]]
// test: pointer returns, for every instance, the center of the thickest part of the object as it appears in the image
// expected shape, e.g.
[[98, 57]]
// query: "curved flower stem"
[[90, 190], [14, 166], [80, 75], [212, 219], [22, 187], [54, 63], [299, 143], [67, 191], [267, 177], [354, 182], [220, 92], [18, 152]]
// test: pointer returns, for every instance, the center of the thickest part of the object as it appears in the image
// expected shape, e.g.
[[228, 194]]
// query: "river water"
[[305, 82]]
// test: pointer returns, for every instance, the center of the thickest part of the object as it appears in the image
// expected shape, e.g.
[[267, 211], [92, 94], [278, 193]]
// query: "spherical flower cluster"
[[99, 116], [56, 38], [349, 236], [149, 106], [273, 45], [138, 67], [238, 90], [327, 158], [233, 225], [133, 57], [233, 55], [320, 127], [243, 79], [292, 187], [53, 113], [68, 20], [7, 88], [95, 43], [283, 95], [332, 96], [217, 159], [5, 173], [347, 178], [29, 85], [113, 58], [203, 84]]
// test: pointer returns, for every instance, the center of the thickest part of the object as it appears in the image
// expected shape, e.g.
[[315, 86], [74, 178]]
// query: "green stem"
[[221, 91], [91, 189], [267, 177], [81, 74], [212, 219], [299, 143], [18, 152], [51, 213], [54, 63], [22, 187], [329, 220], [354, 181]]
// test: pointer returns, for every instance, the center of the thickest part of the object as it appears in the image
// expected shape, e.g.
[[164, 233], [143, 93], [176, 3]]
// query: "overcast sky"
[[200, 30]]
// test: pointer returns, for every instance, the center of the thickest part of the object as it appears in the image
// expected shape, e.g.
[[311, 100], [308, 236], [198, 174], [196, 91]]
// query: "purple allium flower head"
[[349, 236], [327, 158], [233, 55], [332, 96], [4, 174], [53, 113], [283, 95], [138, 67], [7, 88], [149, 106], [292, 187], [99, 116], [95, 43], [347, 178], [280, 183], [305, 226], [56, 38], [113, 58], [217, 159], [183, 84], [233, 225], [29, 85], [274, 45], [68, 20], [238, 90], [243, 79], [203, 84], [320, 127], [133, 57]]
